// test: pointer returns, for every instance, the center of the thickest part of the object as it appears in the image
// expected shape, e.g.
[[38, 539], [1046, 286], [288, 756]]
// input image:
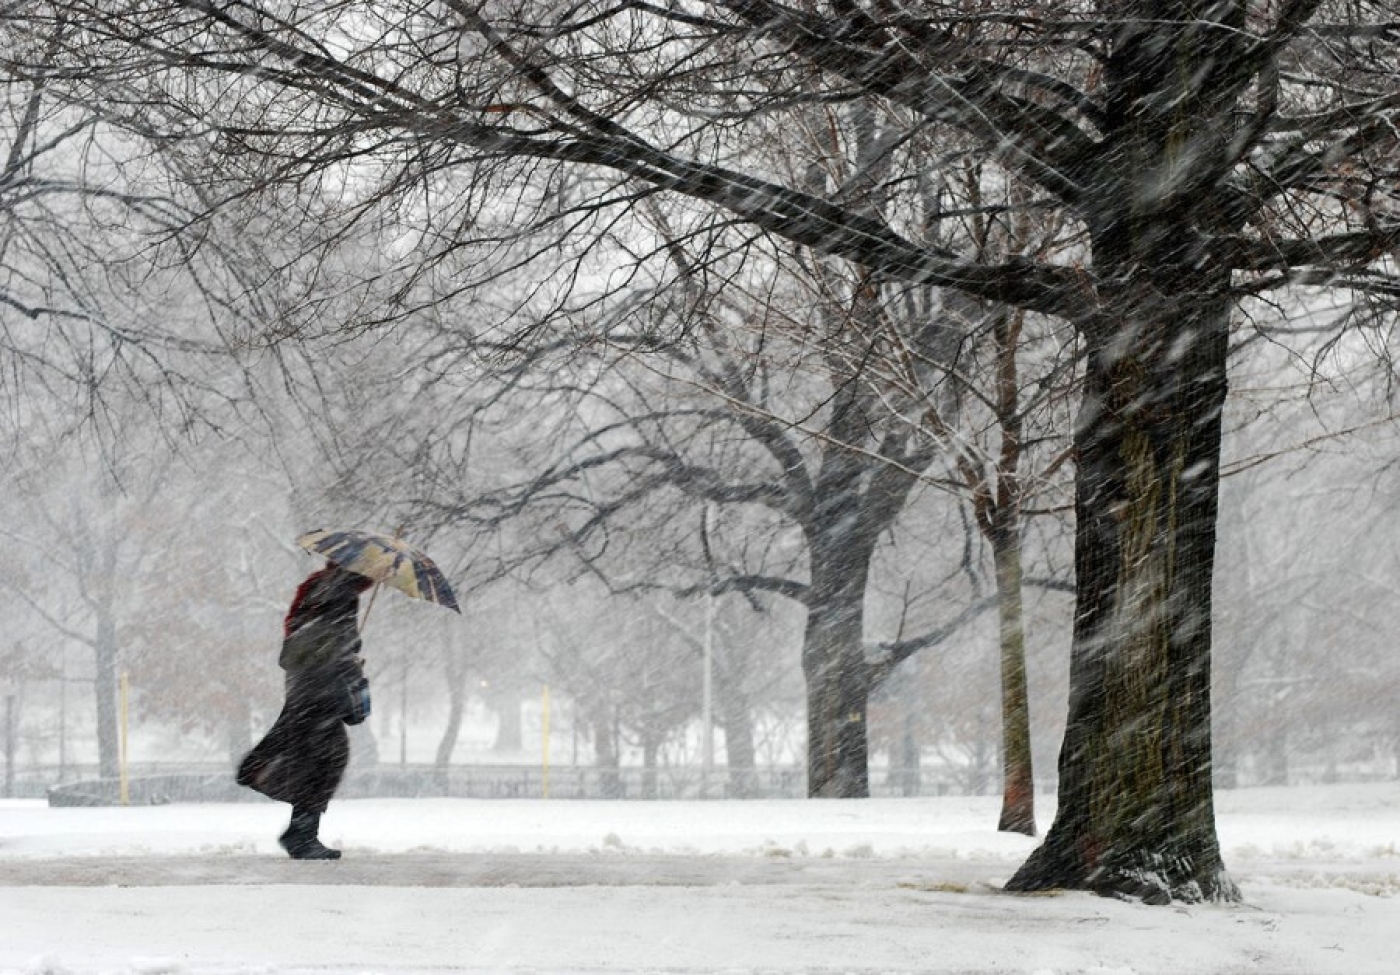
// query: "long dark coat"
[[303, 756]]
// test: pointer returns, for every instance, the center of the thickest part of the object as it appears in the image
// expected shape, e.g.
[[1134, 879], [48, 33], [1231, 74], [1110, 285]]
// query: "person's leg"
[[317, 757], [301, 841]]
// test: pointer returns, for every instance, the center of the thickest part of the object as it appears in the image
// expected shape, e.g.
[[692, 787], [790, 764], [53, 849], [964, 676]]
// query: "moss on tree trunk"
[[1018, 776]]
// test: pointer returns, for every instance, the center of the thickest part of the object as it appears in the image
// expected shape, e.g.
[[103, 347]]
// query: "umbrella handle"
[[365, 619]]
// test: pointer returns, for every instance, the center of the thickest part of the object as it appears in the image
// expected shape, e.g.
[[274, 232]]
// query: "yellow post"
[[544, 734], [124, 685]]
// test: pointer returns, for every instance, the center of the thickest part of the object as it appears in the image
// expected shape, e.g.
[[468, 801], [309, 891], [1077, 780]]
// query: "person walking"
[[302, 758]]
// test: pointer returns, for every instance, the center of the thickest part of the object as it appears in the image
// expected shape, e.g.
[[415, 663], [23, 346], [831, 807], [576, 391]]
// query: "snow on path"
[[708, 929], [499, 870], [874, 827], [519, 886]]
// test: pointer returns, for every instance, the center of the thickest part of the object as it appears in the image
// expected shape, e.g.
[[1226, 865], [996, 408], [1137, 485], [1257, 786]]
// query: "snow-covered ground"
[[551, 886]]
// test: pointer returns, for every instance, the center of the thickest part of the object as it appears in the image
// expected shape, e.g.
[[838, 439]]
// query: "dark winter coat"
[[303, 757]]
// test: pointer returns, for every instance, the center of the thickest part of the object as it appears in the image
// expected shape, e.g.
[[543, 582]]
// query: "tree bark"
[[1018, 775], [838, 679], [1136, 813], [1136, 805]]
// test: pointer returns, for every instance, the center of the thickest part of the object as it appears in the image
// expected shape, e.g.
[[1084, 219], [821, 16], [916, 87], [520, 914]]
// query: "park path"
[[528, 870]]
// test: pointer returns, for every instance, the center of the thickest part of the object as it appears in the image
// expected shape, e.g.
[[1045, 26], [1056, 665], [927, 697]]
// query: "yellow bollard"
[[124, 685]]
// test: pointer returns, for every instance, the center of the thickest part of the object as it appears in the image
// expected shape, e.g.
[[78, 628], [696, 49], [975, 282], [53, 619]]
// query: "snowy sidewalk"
[[540, 870], [518, 886]]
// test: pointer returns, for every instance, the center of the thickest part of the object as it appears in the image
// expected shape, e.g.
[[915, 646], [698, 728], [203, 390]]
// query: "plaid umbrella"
[[386, 560]]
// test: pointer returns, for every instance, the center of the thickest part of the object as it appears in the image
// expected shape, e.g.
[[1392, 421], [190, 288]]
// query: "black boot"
[[300, 840]]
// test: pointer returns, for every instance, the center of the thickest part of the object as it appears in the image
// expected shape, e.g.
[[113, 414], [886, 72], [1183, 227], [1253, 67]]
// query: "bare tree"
[[629, 672], [999, 424], [1205, 150], [203, 614], [105, 301], [723, 446], [83, 548], [1305, 601], [118, 343]]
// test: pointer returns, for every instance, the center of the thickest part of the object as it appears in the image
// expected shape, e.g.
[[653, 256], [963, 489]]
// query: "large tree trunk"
[[1018, 776], [1136, 807], [838, 679], [837, 750], [1137, 812]]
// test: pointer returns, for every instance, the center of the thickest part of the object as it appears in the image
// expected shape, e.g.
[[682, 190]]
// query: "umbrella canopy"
[[391, 561]]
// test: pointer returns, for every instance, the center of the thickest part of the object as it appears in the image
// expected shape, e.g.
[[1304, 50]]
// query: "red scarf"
[[321, 589]]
